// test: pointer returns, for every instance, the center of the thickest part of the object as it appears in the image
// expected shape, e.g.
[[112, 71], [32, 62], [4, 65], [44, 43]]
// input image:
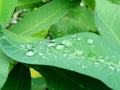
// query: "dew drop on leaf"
[[22, 46], [90, 41], [51, 44], [73, 35], [97, 63], [67, 43], [40, 42], [83, 66], [41, 54], [30, 52], [29, 46], [111, 67], [118, 69], [78, 53], [60, 47], [91, 55], [78, 39]]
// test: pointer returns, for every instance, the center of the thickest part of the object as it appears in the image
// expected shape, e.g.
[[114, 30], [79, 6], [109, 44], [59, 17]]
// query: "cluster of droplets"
[[29, 49], [104, 60], [67, 44]]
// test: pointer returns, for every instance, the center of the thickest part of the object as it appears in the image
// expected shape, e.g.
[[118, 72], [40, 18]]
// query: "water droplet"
[[22, 46], [51, 44], [101, 60], [48, 49], [41, 54], [97, 63], [111, 67], [118, 63], [29, 46], [78, 53], [60, 47], [40, 42], [73, 35], [78, 39], [90, 41], [65, 55], [83, 66], [67, 43], [118, 69], [78, 63], [92, 56], [30, 52]]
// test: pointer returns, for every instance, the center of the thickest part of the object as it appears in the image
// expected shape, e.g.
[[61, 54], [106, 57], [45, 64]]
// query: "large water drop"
[[60, 47], [30, 53]]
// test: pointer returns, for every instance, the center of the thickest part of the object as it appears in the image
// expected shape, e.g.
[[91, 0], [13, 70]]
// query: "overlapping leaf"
[[6, 9], [17, 77], [80, 19], [107, 16], [4, 68], [42, 18]]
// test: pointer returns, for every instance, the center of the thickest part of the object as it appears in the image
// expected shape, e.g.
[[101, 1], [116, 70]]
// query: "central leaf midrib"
[[29, 29]]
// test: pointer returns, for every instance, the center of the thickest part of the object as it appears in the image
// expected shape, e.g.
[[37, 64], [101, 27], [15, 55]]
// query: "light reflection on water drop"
[[83, 66], [51, 44], [60, 47], [67, 43], [111, 67], [30, 53], [90, 41], [29, 46]]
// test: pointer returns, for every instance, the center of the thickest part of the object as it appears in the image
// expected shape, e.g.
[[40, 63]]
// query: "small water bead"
[[78, 39], [60, 47], [65, 55], [101, 60], [73, 35], [78, 53], [41, 54], [118, 69], [92, 56], [97, 63], [22, 46], [78, 63], [67, 43], [83, 66], [90, 41], [51, 44], [40, 42], [111, 67], [30, 53], [29, 46]]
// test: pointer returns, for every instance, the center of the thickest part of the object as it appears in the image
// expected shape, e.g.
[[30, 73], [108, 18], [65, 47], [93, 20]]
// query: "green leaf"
[[80, 19], [28, 3], [107, 16], [85, 53], [4, 68], [90, 4], [6, 10], [60, 79], [38, 84], [42, 18], [18, 79], [115, 1]]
